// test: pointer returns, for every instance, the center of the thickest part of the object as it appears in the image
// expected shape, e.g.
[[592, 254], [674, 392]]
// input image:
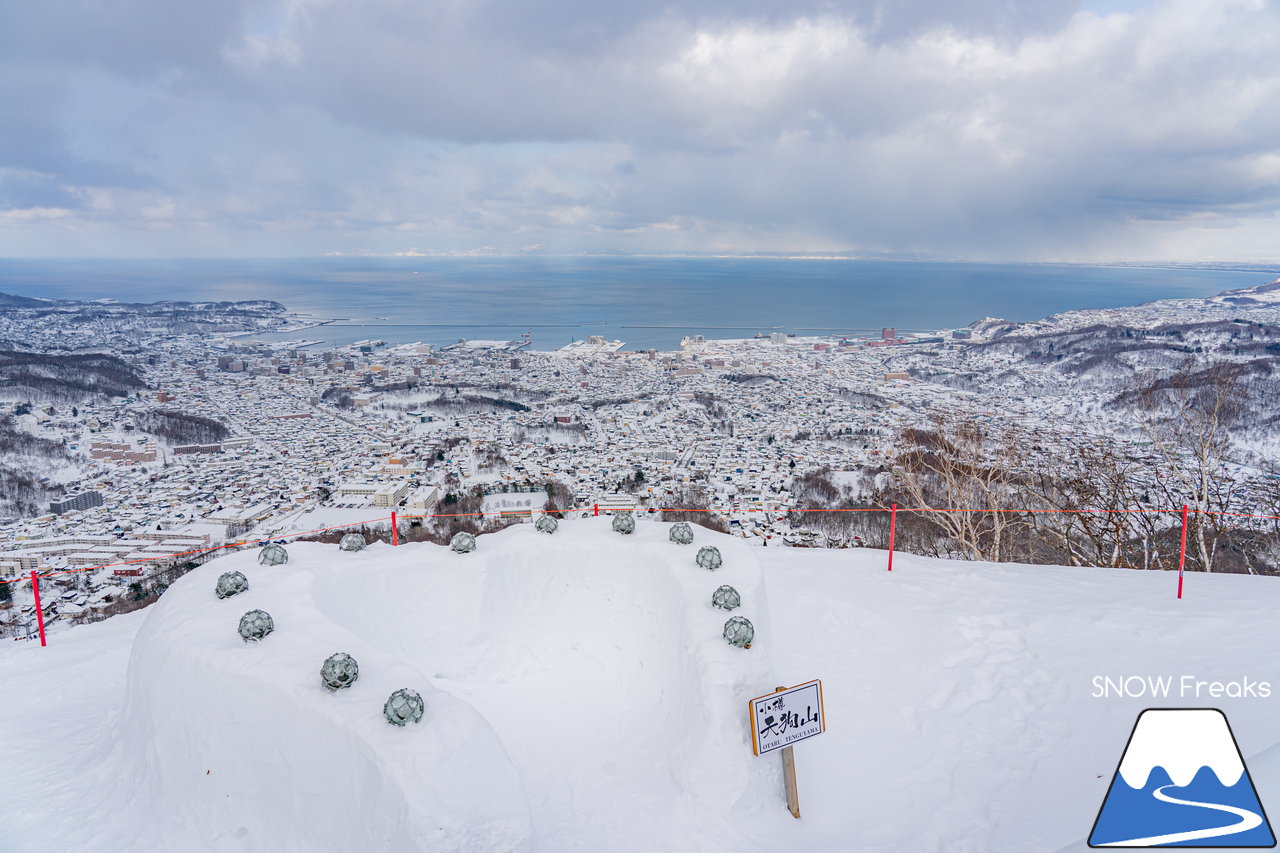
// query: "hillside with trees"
[[55, 378]]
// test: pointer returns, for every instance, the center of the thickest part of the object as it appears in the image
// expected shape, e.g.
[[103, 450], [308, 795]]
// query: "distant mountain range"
[[9, 300]]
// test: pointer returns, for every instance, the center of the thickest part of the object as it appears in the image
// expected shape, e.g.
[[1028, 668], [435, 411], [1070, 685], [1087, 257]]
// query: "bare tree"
[[1258, 548], [966, 475], [1189, 417], [825, 508], [1092, 511], [559, 498], [693, 504]]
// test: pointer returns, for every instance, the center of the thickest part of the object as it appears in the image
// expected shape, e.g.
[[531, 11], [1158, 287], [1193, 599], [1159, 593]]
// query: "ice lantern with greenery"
[[546, 524], [255, 625], [709, 557], [273, 555], [339, 670], [726, 598], [681, 533], [352, 542], [739, 632], [231, 583], [404, 706], [624, 522], [462, 543]]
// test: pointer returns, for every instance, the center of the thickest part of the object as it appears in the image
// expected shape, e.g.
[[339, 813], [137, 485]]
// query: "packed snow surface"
[[580, 697]]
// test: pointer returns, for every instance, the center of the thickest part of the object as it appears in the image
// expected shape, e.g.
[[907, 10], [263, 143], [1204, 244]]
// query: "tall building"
[[888, 334], [84, 500]]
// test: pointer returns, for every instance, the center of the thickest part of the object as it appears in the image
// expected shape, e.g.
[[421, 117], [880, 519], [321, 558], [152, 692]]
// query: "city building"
[[84, 500], [390, 494]]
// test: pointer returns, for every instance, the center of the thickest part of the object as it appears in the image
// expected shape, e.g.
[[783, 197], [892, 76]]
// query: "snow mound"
[[238, 745], [580, 698]]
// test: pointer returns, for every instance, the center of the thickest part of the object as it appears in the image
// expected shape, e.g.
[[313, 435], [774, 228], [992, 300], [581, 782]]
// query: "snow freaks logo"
[[1184, 687], [1181, 783]]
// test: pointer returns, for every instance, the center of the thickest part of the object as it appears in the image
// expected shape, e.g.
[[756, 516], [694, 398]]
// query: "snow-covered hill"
[[580, 698], [1257, 304]]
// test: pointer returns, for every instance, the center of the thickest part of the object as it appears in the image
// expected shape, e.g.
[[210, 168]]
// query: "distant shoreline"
[[648, 302]]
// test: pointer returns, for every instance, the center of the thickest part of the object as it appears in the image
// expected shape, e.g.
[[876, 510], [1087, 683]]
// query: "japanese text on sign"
[[787, 717]]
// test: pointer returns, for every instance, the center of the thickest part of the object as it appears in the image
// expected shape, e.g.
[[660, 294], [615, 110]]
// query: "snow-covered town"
[[489, 426], [215, 438]]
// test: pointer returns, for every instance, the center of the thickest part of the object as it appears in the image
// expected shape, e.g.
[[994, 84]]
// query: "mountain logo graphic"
[[1182, 783]]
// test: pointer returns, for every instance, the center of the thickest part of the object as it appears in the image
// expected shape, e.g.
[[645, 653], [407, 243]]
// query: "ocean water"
[[646, 302]]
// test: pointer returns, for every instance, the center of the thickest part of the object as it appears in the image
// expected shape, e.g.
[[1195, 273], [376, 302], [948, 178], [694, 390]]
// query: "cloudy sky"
[[983, 129]]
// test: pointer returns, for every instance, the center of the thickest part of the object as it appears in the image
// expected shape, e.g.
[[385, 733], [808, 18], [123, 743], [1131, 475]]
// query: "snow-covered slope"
[[580, 698], [245, 733], [1261, 294], [1259, 304]]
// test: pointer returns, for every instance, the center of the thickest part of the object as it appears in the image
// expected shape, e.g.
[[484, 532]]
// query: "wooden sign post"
[[782, 718], [789, 778]]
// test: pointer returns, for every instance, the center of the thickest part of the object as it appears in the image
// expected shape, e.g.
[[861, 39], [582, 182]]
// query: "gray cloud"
[[134, 37], [975, 128]]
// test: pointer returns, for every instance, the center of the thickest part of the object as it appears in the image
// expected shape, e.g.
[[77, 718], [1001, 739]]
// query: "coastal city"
[[508, 427], [224, 438]]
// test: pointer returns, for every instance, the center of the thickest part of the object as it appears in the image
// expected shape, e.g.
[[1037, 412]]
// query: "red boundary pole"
[[893, 517], [35, 587], [893, 523], [1182, 558]]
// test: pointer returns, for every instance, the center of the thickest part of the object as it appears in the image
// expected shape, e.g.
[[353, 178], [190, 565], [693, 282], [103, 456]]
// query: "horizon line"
[[1221, 263]]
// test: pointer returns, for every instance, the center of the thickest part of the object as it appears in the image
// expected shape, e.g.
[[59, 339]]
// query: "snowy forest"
[[1100, 503]]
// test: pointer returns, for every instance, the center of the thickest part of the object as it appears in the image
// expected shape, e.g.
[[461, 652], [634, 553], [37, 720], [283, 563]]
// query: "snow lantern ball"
[[352, 542], [255, 625], [405, 705], [462, 543], [624, 522], [709, 558], [726, 598], [339, 670], [546, 524], [273, 555], [739, 632], [231, 583], [681, 533]]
